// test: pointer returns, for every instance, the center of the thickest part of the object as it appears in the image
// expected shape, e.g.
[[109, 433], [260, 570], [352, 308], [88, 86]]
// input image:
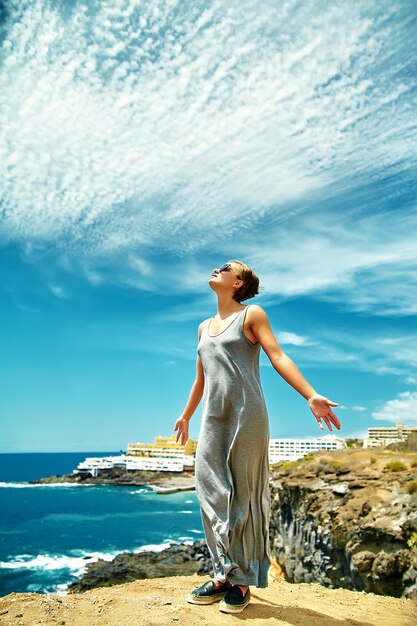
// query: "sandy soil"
[[162, 601]]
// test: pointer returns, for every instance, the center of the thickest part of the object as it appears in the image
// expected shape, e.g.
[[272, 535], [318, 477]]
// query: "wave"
[[78, 559], [154, 547], [75, 563], [24, 485]]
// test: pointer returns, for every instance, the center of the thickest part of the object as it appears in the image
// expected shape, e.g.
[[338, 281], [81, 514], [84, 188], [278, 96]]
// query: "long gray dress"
[[231, 462]]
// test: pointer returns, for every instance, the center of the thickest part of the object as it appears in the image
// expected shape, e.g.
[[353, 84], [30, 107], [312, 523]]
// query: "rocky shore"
[[119, 476], [176, 560]]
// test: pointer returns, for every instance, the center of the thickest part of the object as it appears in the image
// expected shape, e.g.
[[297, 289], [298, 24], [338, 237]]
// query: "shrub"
[[372, 460], [411, 486], [290, 465], [414, 462], [396, 466], [412, 540], [335, 464], [321, 467]]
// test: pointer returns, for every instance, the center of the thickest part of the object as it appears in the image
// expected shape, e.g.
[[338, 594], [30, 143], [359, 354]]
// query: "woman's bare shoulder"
[[201, 326], [256, 312]]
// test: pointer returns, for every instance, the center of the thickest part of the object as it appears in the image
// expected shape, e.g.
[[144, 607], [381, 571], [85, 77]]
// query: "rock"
[[341, 489], [365, 509], [119, 476], [176, 560], [362, 561]]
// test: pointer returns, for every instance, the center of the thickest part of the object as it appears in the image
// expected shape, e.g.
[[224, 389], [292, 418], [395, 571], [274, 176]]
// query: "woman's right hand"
[[182, 426]]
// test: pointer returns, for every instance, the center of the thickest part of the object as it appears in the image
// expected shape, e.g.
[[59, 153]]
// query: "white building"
[[93, 465], [384, 435], [293, 449]]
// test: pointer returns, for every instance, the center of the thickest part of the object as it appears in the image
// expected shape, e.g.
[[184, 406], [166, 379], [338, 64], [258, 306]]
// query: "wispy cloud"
[[402, 409], [292, 338], [58, 291], [128, 126], [145, 144]]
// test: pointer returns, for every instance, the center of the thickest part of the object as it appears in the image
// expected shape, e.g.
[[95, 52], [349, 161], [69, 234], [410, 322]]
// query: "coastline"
[[342, 518], [160, 482]]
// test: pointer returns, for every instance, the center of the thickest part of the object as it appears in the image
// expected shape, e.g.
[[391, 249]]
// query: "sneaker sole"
[[233, 608], [193, 599]]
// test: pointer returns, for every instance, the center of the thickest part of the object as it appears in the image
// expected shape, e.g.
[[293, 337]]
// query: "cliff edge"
[[162, 601]]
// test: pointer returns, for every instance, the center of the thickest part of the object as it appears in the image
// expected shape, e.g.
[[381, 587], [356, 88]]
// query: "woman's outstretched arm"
[[320, 405], [194, 398]]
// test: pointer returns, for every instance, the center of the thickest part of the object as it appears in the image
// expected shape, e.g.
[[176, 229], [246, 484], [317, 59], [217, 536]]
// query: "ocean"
[[49, 533]]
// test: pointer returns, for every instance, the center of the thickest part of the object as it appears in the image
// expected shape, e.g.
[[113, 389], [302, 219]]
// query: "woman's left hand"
[[320, 407]]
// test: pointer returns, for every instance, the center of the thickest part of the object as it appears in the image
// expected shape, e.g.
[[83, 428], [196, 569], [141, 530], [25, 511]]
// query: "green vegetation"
[[335, 464], [290, 465], [396, 466], [414, 462], [353, 442], [411, 487]]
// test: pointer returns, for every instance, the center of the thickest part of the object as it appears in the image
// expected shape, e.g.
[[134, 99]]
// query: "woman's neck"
[[226, 305]]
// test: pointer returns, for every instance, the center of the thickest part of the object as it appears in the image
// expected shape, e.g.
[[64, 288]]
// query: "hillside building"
[[384, 435], [293, 449]]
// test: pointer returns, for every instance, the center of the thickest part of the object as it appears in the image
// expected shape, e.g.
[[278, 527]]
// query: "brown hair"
[[250, 286]]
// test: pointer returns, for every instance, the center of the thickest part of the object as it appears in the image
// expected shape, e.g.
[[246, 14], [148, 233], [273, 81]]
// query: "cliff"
[[348, 519], [162, 601]]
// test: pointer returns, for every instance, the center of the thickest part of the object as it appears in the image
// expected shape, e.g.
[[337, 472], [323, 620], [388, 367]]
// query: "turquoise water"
[[48, 533]]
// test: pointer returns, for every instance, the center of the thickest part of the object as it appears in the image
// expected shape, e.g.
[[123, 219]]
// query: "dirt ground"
[[162, 601]]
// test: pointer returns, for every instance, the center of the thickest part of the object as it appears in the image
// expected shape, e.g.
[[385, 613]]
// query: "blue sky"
[[144, 144]]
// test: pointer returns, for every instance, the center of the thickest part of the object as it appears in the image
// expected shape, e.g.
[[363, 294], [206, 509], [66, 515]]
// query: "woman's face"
[[225, 279]]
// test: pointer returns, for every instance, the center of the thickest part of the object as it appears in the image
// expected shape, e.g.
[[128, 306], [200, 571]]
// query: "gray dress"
[[231, 462]]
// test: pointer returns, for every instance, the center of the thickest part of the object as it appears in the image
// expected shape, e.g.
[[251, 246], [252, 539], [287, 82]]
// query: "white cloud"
[[172, 124], [359, 408], [402, 409], [410, 380], [368, 266], [58, 291], [292, 338]]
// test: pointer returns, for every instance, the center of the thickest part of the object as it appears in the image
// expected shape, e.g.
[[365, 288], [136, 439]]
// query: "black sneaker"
[[208, 593], [234, 601]]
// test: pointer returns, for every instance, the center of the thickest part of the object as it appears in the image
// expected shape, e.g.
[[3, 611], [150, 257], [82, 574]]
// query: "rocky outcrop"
[[347, 519], [176, 560], [120, 476]]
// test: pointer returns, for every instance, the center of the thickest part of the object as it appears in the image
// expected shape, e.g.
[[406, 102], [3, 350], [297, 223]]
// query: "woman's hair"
[[250, 286]]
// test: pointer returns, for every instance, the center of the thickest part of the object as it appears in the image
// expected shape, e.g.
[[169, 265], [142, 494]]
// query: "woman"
[[231, 462]]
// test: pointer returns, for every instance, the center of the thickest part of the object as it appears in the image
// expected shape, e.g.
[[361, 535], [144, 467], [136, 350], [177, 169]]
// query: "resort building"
[[384, 435], [164, 455], [94, 465], [167, 448], [293, 449]]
